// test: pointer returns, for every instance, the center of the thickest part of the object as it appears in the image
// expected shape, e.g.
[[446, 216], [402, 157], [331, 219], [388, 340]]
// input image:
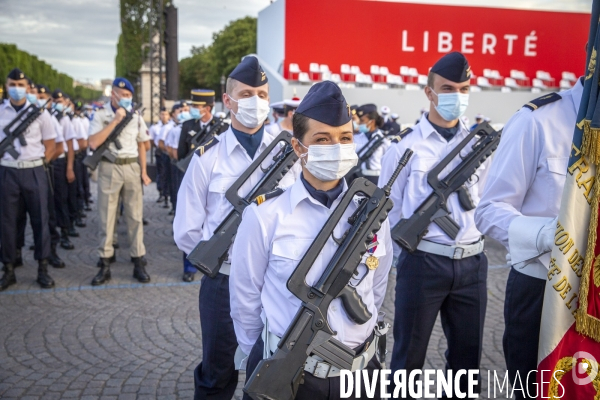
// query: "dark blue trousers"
[[428, 284], [522, 319], [24, 189], [215, 377], [80, 171], [61, 193], [166, 169], [159, 171], [314, 388]]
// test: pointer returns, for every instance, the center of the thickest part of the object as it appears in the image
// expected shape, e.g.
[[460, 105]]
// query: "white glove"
[[545, 237]]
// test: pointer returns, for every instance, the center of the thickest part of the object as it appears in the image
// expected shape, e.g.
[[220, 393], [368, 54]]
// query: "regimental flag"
[[570, 327]]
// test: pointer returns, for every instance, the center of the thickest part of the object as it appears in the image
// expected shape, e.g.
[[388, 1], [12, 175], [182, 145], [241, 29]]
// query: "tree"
[[206, 65]]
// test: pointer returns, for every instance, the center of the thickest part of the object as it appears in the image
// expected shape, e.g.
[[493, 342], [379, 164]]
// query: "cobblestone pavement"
[[127, 340]]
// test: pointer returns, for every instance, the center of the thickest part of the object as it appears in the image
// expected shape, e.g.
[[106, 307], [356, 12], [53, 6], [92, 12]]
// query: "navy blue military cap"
[[176, 107], [453, 66], [353, 109], [58, 94], [325, 103], [31, 84], [43, 89], [16, 74], [249, 72], [163, 109], [366, 109], [123, 84], [203, 97]]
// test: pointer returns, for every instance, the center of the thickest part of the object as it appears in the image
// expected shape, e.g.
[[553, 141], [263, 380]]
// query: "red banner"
[[391, 34]]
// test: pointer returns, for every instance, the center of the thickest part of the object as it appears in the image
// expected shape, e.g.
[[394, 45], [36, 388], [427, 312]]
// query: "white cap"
[[220, 114], [295, 102], [395, 116], [479, 116], [385, 110], [487, 119]]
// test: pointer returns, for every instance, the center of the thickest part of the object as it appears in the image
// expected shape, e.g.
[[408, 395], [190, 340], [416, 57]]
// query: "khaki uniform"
[[121, 180]]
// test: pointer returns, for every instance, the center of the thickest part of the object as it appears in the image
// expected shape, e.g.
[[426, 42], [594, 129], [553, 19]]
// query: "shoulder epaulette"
[[264, 197], [395, 139], [405, 132], [202, 149], [542, 101]]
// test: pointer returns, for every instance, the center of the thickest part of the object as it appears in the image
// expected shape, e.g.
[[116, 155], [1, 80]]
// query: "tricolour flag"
[[569, 350]]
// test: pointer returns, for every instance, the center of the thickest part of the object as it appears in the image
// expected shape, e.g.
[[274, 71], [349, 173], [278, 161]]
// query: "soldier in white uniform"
[[202, 206], [121, 179], [24, 182], [519, 207], [154, 133], [443, 276], [274, 236], [369, 130], [284, 123]]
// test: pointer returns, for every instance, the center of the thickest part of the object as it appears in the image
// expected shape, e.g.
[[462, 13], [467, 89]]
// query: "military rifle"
[[408, 233], [366, 152], [91, 161], [17, 127], [198, 140], [208, 256], [279, 376]]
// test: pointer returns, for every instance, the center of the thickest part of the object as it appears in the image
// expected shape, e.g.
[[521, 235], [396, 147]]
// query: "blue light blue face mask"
[[362, 128], [126, 103], [184, 116], [451, 106], [59, 107], [17, 93], [195, 113], [32, 98]]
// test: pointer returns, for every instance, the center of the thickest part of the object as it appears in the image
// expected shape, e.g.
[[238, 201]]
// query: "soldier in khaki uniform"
[[121, 179]]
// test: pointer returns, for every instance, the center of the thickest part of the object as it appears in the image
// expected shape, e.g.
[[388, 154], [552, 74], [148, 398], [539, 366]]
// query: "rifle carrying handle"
[[465, 199], [354, 305]]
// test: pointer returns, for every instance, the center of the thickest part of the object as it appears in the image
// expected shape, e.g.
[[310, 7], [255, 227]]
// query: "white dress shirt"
[[134, 133], [411, 187], [527, 177], [201, 202], [373, 165], [172, 138], [60, 137], [41, 129], [154, 130], [163, 131], [271, 241]]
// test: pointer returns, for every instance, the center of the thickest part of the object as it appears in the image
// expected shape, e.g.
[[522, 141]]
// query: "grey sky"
[[79, 37]]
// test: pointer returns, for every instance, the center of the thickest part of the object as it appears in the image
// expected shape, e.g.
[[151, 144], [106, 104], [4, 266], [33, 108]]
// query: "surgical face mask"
[[59, 107], [195, 113], [126, 102], [362, 128], [330, 162], [32, 98], [184, 116], [41, 102], [17, 93], [69, 109], [451, 106], [252, 111], [355, 126]]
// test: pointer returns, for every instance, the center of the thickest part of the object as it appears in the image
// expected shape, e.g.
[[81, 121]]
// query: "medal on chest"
[[372, 262]]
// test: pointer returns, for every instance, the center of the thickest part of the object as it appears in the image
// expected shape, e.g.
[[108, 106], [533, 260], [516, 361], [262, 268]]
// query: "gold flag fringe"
[[585, 323], [590, 147]]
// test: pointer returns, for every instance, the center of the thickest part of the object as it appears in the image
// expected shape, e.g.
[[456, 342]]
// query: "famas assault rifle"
[[209, 255], [198, 140], [102, 151], [365, 152], [408, 233], [17, 127], [279, 376]]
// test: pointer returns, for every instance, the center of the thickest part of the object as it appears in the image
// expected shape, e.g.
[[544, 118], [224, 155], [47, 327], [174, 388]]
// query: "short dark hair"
[[430, 79], [300, 125]]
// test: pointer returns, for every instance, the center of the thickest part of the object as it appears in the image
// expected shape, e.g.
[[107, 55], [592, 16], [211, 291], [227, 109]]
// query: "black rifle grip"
[[354, 305], [465, 199]]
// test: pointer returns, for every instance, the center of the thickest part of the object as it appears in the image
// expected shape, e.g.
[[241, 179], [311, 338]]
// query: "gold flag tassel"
[[586, 324], [590, 147]]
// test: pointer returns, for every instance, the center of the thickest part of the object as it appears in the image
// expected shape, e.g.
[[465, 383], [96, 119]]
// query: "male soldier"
[[154, 132], [273, 238], [24, 183], [393, 127], [519, 207], [121, 179], [170, 143], [284, 122], [176, 111], [202, 195], [201, 105], [82, 125], [443, 275], [478, 120]]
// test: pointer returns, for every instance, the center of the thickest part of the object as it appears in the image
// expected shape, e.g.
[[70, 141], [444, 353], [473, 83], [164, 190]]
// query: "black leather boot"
[[166, 205], [54, 259], [44, 280], [103, 275], [139, 269], [72, 232], [65, 242], [19, 259], [80, 222], [8, 278]]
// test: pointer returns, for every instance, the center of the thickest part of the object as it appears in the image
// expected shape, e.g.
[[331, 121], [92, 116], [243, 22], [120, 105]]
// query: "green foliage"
[[40, 72], [206, 65]]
